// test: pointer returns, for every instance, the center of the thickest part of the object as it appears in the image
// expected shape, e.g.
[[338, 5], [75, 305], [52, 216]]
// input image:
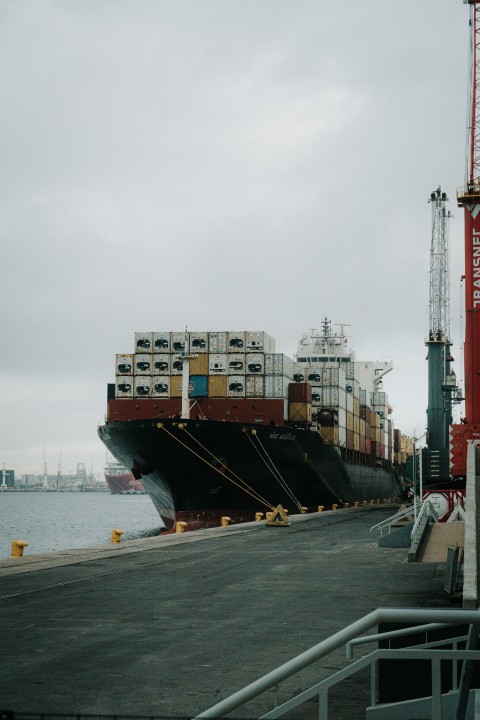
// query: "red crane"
[[468, 197]]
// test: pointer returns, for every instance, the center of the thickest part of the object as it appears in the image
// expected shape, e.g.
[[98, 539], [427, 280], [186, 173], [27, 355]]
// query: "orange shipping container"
[[217, 386], [300, 412], [330, 435]]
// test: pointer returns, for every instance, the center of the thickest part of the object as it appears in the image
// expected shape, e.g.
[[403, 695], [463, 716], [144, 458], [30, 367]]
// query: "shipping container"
[[330, 435], [255, 363], [199, 365], [349, 443], [142, 364], [334, 376], [368, 446], [236, 363], [161, 342], [217, 342], [124, 386], [199, 342], [349, 403], [161, 386], [342, 417], [161, 364], [124, 364], [362, 443], [278, 364], [356, 406], [176, 386], [349, 421], [314, 374], [378, 398], [259, 341], [300, 412], [366, 413], [217, 386], [276, 386], [356, 442], [334, 396], [362, 397], [317, 395], [342, 435], [254, 386], [356, 424], [375, 434], [198, 385], [179, 342], [143, 342], [300, 392], [142, 386], [236, 341], [362, 428], [236, 386], [176, 366], [217, 364]]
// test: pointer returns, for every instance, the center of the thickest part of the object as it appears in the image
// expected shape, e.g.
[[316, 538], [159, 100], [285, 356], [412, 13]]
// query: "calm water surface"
[[52, 521]]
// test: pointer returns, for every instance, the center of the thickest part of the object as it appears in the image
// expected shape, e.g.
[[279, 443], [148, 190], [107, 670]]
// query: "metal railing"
[[426, 511], [434, 652], [388, 522]]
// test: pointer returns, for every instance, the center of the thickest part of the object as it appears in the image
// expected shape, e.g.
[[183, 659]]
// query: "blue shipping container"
[[200, 385]]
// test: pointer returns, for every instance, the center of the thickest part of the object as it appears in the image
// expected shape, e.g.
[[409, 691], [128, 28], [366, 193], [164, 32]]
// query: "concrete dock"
[[168, 626]]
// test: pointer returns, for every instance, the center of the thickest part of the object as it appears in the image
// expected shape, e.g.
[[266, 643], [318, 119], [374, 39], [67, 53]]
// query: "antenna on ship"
[[59, 471]]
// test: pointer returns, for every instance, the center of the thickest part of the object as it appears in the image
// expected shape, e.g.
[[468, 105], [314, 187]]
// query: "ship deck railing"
[[435, 651]]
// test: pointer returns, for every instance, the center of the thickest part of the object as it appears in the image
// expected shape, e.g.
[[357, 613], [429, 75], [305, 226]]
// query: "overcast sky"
[[242, 164]]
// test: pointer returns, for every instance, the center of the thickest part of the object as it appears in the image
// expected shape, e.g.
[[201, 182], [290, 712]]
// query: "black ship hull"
[[200, 470]]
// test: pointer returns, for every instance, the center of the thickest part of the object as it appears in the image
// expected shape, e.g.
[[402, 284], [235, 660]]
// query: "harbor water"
[[55, 521]]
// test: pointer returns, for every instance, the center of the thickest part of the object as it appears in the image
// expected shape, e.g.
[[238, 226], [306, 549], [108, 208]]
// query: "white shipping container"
[[124, 364], [342, 419], [217, 364], [143, 364], [254, 386], [143, 342], [161, 364], [349, 403], [334, 376], [124, 386], [381, 410], [342, 433], [259, 341], [142, 386], [176, 367], [278, 364], [236, 341], [317, 395], [236, 363], [199, 342], [314, 374], [179, 341], [217, 342], [378, 398], [236, 386], [334, 396], [276, 386], [161, 386], [298, 372], [161, 342], [353, 387], [255, 363]]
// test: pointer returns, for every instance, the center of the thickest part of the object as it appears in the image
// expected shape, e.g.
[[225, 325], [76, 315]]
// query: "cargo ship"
[[218, 424], [120, 481]]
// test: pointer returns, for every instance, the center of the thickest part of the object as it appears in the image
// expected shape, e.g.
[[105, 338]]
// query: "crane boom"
[[468, 197]]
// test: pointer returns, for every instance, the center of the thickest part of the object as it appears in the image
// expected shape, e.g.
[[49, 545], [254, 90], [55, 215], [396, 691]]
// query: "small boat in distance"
[[121, 482]]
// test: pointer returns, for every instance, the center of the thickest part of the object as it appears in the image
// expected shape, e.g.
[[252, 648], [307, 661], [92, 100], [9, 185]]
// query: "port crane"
[[468, 198], [441, 378]]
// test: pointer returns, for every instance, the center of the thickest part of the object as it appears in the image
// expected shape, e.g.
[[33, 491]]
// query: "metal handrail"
[[426, 509], [398, 516], [381, 615]]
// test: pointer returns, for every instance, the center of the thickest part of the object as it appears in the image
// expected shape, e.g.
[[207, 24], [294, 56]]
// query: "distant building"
[[7, 478], [28, 480]]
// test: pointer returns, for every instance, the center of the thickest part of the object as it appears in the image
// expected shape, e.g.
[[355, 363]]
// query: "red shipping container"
[[300, 392]]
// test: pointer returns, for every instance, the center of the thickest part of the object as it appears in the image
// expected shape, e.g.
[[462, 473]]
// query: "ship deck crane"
[[468, 197]]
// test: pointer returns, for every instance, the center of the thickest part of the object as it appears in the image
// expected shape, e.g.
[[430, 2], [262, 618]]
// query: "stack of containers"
[[300, 403]]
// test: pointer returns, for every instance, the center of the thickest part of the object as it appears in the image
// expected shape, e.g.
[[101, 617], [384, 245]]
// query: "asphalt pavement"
[[169, 626]]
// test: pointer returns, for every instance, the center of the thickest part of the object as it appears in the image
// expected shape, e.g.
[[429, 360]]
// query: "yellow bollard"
[[355, 504], [346, 505], [334, 507], [303, 509], [180, 526], [371, 502], [224, 521], [17, 547], [268, 515], [364, 502], [378, 502], [117, 535], [321, 508], [258, 516]]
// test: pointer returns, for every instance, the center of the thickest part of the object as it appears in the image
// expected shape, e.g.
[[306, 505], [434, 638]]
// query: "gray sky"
[[243, 164]]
